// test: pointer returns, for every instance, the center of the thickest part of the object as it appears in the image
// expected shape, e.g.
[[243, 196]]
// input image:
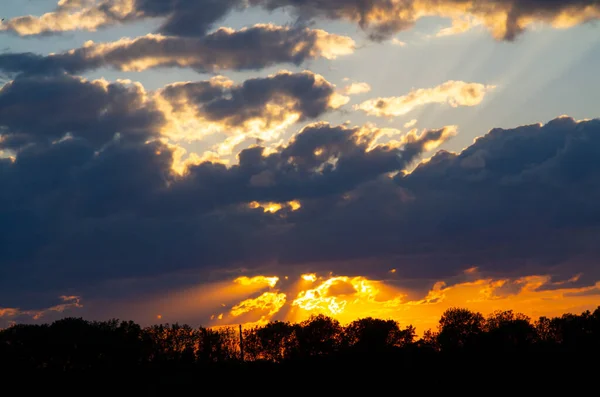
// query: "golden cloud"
[[349, 298], [218, 51], [411, 123], [312, 277], [257, 280], [505, 19], [356, 88], [72, 15], [269, 301], [273, 207], [454, 93], [188, 119]]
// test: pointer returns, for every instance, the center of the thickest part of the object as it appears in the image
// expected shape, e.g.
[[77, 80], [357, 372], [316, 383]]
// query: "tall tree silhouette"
[[319, 335], [459, 328]]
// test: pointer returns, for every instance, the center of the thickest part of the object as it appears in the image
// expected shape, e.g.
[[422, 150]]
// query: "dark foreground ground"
[[504, 354], [365, 374]]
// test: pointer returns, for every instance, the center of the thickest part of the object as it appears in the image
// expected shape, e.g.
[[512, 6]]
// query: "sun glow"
[[349, 298], [269, 301], [309, 277], [273, 207], [270, 281], [332, 296]]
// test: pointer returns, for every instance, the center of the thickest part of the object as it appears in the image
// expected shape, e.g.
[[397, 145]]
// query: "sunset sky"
[[221, 162]]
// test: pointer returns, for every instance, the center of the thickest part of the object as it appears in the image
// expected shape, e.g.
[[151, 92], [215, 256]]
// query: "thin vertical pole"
[[241, 343]]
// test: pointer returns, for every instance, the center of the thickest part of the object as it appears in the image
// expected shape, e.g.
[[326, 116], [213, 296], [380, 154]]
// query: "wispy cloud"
[[356, 88], [453, 93], [15, 314]]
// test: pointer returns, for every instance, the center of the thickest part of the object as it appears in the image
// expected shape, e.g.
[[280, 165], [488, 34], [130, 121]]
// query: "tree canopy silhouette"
[[164, 356]]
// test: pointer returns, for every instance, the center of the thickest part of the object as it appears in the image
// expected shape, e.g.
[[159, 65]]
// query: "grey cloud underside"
[[379, 18], [181, 13], [93, 208], [254, 48], [385, 24], [42, 109], [517, 202], [310, 95], [103, 204]]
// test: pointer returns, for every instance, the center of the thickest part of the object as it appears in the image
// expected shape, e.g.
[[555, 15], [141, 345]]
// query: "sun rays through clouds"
[[223, 162]]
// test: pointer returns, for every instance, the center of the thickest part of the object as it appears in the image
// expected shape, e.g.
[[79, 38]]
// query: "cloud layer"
[[252, 48], [100, 111], [92, 197], [258, 108], [100, 203], [505, 19]]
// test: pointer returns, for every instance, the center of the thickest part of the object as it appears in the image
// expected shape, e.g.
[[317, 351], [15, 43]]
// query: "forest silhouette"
[[498, 352]]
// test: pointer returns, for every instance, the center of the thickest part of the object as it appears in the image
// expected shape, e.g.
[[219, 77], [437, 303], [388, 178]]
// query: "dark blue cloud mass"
[[96, 198], [90, 196]]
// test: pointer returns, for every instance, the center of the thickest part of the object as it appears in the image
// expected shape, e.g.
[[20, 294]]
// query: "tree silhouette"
[[319, 335], [370, 334], [506, 330], [170, 358], [459, 328], [274, 342]]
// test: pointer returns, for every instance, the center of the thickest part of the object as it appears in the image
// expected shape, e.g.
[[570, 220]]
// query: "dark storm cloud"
[[85, 208], [252, 48], [45, 109], [379, 18], [79, 215], [320, 161], [516, 201]]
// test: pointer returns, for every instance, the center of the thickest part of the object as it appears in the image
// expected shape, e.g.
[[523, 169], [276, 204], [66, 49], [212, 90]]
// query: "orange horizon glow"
[[347, 299]]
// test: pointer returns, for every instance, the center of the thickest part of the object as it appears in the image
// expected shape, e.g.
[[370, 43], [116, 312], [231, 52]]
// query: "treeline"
[[463, 339]]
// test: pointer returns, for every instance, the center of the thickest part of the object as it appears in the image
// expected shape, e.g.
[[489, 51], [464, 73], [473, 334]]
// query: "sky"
[[221, 162]]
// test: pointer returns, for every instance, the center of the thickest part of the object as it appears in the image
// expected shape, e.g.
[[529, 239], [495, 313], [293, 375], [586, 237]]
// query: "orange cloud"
[[454, 93], [349, 298], [273, 207], [309, 277], [269, 301], [257, 280]]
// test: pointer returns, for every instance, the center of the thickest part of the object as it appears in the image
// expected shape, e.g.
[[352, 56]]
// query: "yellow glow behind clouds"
[[349, 298], [273, 207], [257, 280]]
